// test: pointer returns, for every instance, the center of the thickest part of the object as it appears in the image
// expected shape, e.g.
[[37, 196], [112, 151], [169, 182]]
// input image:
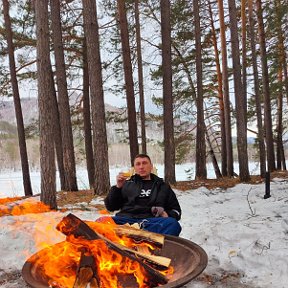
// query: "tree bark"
[[129, 83], [279, 130], [17, 103], [266, 92], [244, 50], [63, 99], [201, 171], [225, 77], [140, 79], [87, 120], [169, 152], [45, 94], [261, 145], [220, 97], [102, 181], [240, 98], [282, 76]]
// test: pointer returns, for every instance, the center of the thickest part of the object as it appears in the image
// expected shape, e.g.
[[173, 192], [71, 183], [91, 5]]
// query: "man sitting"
[[146, 199]]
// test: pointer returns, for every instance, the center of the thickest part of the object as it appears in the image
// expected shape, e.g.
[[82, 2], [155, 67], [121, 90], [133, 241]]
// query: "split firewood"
[[143, 249], [86, 273], [72, 225], [83, 278], [94, 283], [159, 262], [140, 235]]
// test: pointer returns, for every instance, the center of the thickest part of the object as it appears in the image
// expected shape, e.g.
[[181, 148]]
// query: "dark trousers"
[[161, 225]]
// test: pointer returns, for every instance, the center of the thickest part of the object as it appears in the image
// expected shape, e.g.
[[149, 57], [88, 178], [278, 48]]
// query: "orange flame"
[[59, 263], [9, 199], [21, 208]]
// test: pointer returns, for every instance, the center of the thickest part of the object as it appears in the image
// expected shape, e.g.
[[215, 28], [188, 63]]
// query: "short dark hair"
[[142, 155]]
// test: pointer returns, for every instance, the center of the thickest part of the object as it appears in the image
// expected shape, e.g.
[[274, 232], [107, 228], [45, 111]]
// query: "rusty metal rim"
[[31, 281], [197, 271]]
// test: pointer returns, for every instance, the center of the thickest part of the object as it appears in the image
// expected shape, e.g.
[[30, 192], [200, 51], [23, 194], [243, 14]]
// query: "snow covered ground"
[[11, 183], [244, 235]]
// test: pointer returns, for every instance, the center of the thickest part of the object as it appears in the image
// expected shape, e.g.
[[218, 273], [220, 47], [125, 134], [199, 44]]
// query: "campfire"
[[105, 255]]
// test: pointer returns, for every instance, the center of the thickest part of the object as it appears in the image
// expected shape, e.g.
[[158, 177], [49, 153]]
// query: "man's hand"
[[158, 211], [120, 179], [164, 214]]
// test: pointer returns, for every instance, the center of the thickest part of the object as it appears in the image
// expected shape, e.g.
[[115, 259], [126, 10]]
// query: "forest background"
[[216, 71]]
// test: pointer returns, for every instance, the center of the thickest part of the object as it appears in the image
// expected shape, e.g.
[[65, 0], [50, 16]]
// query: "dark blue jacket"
[[123, 199]]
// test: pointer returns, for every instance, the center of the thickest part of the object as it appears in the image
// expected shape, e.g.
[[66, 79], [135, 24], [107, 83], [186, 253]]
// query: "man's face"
[[143, 167]]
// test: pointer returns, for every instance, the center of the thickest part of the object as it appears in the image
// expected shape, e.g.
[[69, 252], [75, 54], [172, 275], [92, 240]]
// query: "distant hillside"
[[117, 130], [29, 110]]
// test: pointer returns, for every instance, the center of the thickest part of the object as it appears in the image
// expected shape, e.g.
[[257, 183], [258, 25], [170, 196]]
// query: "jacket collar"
[[154, 177]]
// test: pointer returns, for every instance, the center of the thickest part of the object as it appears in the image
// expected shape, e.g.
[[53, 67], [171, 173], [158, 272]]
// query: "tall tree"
[[282, 71], [91, 29], [129, 83], [201, 172], [225, 79], [244, 48], [17, 102], [240, 97], [261, 145], [87, 119], [45, 94], [220, 96], [280, 20], [279, 128], [57, 131], [266, 92], [169, 153], [63, 99], [140, 78]]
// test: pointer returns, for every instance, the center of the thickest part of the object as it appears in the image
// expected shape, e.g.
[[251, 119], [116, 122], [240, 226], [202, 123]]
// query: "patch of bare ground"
[[65, 198], [225, 280], [12, 278], [224, 182]]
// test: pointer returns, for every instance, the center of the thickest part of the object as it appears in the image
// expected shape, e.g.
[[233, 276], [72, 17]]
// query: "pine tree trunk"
[[279, 129], [91, 29], [140, 79], [261, 145], [220, 97], [45, 94], [169, 152], [87, 120], [281, 39], [266, 92], [213, 158], [129, 83], [225, 77], [201, 172], [281, 163], [17, 103], [244, 50], [240, 97], [63, 99]]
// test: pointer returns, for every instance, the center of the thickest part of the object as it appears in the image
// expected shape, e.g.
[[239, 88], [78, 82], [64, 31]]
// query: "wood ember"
[[86, 273]]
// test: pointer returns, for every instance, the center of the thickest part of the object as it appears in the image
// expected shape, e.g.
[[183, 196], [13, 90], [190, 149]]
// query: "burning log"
[[72, 225], [140, 235], [86, 274]]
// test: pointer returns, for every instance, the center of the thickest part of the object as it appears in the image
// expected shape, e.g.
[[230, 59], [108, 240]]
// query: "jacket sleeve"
[[173, 208], [114, 200]]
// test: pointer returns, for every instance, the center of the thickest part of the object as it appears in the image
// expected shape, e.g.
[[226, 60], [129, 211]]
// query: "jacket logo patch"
[[145, 193]]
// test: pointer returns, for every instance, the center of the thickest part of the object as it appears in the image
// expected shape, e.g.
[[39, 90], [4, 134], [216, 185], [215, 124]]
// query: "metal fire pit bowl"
[[188, 259]]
